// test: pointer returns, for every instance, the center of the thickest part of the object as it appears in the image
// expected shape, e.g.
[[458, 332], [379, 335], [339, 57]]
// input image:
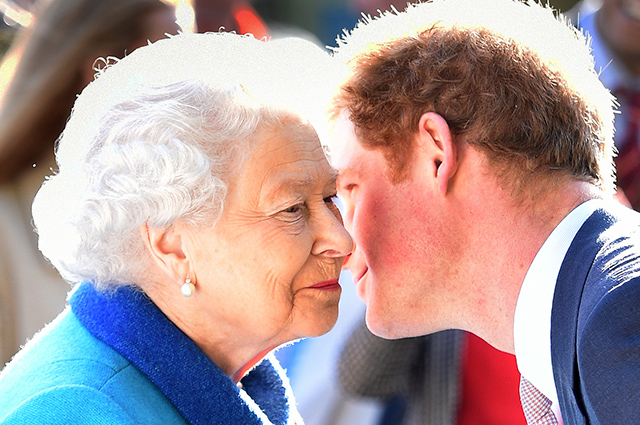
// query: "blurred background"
[[326, 18], [322, 18]]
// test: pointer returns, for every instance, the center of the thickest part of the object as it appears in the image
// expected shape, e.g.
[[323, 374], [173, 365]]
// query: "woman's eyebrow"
[[286, 183]]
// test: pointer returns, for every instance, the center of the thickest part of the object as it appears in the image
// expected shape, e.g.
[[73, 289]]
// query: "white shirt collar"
[[532, 322]]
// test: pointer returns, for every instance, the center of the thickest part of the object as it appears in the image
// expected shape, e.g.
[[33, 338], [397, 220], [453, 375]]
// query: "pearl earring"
[[187, 287]]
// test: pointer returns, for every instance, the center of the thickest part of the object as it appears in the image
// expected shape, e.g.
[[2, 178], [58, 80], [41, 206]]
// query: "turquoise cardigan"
[[116, 359]]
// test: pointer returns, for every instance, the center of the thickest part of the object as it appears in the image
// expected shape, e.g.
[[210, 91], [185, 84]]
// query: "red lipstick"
[[327, 285]]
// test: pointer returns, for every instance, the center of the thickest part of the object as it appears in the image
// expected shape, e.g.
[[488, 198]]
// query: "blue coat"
[[595, 322], [116, 359]]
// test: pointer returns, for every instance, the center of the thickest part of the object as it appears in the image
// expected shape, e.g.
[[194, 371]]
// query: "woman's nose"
[[333, 239]]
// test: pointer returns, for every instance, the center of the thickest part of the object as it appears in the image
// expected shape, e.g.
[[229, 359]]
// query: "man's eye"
[[346, 189]]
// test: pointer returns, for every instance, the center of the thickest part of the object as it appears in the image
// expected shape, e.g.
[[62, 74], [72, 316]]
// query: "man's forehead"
[[343, 143]]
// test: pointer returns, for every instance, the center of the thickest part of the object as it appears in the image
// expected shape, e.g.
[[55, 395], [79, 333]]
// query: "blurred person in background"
[[47, 66], [447, 378], [229, 15], [241, 17], [614, 29]]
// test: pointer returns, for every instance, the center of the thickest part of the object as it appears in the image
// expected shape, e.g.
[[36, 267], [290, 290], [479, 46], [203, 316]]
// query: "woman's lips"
[[327, 285]]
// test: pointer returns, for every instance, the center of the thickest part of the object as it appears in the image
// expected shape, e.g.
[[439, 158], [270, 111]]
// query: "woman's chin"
[[320, 324]]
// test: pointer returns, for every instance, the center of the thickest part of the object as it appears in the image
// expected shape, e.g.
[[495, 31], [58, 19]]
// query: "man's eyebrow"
[[347, 172]]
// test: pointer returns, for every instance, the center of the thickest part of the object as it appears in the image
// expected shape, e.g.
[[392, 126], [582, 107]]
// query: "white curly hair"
[[155, 138]]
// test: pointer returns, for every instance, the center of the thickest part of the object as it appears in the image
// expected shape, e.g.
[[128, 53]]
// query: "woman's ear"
[[434, 137], [165, 246]]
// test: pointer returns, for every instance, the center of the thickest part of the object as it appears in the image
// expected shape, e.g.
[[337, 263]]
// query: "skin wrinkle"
[[279, 191]]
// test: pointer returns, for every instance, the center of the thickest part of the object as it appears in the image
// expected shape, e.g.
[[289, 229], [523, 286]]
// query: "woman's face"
[[268, 270]]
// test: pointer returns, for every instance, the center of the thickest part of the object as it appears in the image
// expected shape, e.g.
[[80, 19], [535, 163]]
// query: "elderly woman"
[[193, 209]]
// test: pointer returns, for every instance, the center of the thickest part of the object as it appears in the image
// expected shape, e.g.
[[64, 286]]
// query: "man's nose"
[[349, 258]]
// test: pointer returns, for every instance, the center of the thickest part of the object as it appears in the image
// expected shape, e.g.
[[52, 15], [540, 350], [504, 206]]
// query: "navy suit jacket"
[[595, 321]]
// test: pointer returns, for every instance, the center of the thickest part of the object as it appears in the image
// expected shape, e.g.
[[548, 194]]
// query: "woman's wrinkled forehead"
[[287, 157]]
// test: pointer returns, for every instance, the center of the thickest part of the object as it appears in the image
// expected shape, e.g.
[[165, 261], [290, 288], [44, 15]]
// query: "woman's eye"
[[294, 209], [331, 199]]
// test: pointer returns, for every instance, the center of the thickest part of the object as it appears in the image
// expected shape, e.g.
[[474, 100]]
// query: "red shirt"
[[490, 386]]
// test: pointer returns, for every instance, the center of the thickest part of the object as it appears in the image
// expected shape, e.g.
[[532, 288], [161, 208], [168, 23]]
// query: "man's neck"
[[507, 240]]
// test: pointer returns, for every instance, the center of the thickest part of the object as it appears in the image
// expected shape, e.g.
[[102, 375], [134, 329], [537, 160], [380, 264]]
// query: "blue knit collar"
[[129, 322]]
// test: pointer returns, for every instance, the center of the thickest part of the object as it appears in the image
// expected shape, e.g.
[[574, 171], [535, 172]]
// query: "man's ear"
[[434, 137], [166, 248]]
